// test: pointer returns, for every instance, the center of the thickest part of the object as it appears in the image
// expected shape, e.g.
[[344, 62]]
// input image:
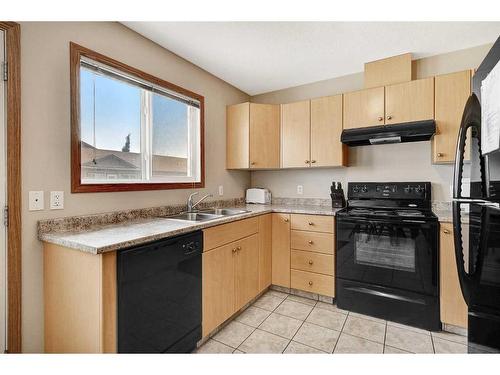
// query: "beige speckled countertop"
[[113, 237]]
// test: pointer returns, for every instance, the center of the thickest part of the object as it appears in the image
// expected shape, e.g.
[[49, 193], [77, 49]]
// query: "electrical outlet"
[[56, 200], [300, 189], [36, 201], [221, 190]]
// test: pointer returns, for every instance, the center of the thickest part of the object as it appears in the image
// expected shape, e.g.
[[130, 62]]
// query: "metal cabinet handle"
[[313, 161], [238, 248], [285, 220], [380, 118], [310, 283], [233, 250], [446, 231], [310, 242], [440, 154], [253, 163], [307, 161], [311, 262], [311, 223], [389, 117]]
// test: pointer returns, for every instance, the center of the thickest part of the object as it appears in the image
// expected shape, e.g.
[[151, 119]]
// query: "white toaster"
[[258, 195]]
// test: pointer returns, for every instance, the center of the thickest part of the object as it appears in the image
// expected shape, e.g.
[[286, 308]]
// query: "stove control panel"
[[389, 190]]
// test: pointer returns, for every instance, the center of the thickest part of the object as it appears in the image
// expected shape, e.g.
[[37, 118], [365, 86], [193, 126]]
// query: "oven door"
[[400, 254]]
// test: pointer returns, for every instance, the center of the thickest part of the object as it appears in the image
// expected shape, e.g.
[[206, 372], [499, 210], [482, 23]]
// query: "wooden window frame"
[[78, 51], [12, 32]]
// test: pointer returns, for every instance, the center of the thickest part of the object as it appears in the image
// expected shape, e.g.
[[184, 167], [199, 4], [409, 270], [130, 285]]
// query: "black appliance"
[[159, 296], [388, 252], [476, 191], [397, 133]]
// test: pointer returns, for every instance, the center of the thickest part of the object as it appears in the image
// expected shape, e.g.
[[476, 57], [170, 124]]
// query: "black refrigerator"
[[476, 212]]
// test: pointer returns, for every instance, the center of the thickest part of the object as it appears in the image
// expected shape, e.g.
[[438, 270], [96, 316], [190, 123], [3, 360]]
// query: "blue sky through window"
[[118, 113]]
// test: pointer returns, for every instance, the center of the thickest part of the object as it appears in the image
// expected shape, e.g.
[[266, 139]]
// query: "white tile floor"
[[282, 323]]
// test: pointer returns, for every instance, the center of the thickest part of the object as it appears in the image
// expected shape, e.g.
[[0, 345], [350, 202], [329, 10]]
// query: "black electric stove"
[[388, 252]]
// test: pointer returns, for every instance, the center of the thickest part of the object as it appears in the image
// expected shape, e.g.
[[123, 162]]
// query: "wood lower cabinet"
[[409, 101], [295, 130], [313, 282], [218, 287], [252, 136], [265, 251], [326, 129], [364, 108], [281, 249], [453, 306], [452, 91], [246, 270]]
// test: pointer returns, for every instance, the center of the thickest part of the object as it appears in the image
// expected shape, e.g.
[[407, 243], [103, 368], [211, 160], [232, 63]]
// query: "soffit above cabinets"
[[259, 57]]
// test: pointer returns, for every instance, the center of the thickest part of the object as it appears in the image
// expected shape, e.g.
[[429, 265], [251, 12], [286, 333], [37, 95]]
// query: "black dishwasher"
[[159, 296]]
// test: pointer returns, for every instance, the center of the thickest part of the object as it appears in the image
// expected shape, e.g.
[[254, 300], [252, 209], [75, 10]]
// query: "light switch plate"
[[300, 189], [56, 200], [36, 201], [221, 190]]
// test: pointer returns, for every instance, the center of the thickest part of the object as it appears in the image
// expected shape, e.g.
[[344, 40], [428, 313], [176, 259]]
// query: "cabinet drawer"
[[314, 223], [313, 262], [313, 282], [226, 233], [312, 241]]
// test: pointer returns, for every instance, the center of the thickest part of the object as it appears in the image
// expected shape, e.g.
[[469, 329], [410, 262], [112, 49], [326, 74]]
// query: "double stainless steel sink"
[[205, 215]]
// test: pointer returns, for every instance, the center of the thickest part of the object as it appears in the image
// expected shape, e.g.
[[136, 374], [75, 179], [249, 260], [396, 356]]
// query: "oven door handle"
[[385, 294], [414, 221]]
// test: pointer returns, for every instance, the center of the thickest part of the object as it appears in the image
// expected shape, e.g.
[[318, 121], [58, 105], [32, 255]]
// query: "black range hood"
[[398, 133]]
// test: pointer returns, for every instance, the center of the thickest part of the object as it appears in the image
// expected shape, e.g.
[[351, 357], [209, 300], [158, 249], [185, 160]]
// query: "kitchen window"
[[131, 130]]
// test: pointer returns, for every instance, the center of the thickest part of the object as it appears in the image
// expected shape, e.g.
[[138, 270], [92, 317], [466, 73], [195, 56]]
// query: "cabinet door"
[[265, 251], [453, 307], [264, 136], [409, 101], [326, 128], [364, 108], [295, 129], [452, 91], [237, 136], [281, 250], [246, 270], [217, 287]]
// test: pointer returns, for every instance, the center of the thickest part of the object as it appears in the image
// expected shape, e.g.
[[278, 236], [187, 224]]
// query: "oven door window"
[[385, 249]]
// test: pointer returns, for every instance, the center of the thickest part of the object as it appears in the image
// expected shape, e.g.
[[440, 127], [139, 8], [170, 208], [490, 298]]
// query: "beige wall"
[[397, 162], [46, 135]]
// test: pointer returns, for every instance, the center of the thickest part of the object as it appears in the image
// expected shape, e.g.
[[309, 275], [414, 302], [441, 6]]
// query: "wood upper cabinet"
[[453, 306], [237, 136], [218, 287], [281, 249], [364, 108], [252, 136], [452, 91], [264, 136], [409, 101], [246, 270], [295, 131], [265, 251], [326, 129]]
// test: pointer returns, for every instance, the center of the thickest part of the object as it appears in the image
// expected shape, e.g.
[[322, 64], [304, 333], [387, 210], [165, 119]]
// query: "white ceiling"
[[259, 57]]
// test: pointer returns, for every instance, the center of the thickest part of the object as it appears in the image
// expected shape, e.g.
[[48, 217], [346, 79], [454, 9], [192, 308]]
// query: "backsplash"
[[85, 222], [302, 202]]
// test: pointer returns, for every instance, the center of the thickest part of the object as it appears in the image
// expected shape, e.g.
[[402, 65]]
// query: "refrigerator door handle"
[[471, 119], [464, 278]]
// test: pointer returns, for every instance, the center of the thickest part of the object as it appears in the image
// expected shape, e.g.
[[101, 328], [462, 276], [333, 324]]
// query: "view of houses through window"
[[132, 132]]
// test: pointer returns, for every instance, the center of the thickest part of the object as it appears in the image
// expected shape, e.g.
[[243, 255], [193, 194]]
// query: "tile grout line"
[[341, 331], [385, 337], [295, 334]]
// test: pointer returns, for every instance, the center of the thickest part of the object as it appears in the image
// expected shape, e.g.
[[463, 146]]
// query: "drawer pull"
[[234, 250], [310, 242], [389, 117], [440, 154], [311, 223], [311, 262], [380, 118], [238, 248], [446, 231], [310, 283], [285, 220]]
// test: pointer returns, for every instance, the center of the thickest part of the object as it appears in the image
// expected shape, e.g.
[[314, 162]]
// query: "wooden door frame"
[[12, 32]]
